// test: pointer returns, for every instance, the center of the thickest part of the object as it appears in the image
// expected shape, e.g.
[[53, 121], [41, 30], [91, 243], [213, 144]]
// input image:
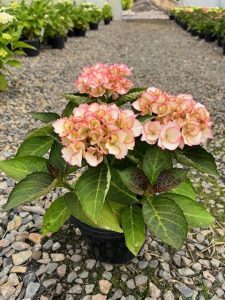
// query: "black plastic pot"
[[201, 35], [79, 32], [224, 49], [194, 32], [32, 52], [58, 42], [93, 26], [220, 41], [209, 37], [105, 246], [171, 17], [107, 21], [70, 33]]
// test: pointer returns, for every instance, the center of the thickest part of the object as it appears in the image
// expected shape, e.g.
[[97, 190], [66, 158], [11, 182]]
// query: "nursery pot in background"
[[58, 42], [93, 26], [79, 32], [107, 21], [70, 33], [224, 49], [201, 35], [220, 41], [194, 32], [209, 37], [36, 44], [105, 246]]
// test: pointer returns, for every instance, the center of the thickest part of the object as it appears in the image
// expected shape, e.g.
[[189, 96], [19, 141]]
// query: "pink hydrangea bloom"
[[103, 79], [177, 120], [95, 130]]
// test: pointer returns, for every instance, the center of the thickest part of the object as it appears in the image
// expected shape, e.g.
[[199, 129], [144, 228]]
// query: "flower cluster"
[[102, 79], [95, 130], [5, 18], [176, 120]]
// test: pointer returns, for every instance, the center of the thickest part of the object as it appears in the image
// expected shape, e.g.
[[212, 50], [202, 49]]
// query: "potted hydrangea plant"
[[94, 14], [107, 13], [126, 158]]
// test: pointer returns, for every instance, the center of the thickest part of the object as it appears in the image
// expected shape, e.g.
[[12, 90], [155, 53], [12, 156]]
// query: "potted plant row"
[[207, 23], [126, 158]]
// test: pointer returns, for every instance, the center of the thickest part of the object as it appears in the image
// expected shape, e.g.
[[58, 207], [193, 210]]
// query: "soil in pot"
[[107, 21], [220, 41], [209, 37], [79, 32], [32, 52], [93, 26], [105, 246], [58, 42]]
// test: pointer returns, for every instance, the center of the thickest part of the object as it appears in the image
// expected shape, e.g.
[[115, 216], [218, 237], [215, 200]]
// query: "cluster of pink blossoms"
[[95, 130], [178, 120], [102, 79]]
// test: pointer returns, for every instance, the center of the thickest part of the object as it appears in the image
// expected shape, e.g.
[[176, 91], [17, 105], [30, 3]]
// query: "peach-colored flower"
[[151, 132], [95, 130], [191, 133], [170, 136], [103, 79]]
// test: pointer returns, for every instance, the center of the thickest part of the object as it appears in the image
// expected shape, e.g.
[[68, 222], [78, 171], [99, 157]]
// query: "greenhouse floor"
[[60, 267]]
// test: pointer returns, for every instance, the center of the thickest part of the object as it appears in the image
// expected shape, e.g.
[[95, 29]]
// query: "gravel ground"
[[60, 267]]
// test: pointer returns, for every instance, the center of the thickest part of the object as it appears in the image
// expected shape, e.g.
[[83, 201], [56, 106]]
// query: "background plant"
[[107, 12], [94, 13], [127, 4]]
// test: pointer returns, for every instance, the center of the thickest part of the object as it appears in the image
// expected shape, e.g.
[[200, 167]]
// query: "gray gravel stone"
[[89, 288], [30, 277], [90, 263], [32, 289], [131, 284], [76, 258], [184, 289], [76, 289], [141, 279], [71, 276]]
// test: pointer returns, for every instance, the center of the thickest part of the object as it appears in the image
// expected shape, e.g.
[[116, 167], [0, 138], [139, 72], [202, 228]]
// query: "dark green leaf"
[[155, 161], [36, 146], [56, 215], [3, 83], [106, 220], [134, 228], [56, 159], [31, 188], [45, 117], [198, 158], [92, 188], [47, 130], [131, 96], [169, 179], [135, 180], [166, 220], [185, 189], [118, 192], [195, 214], [68, 109], [78, 99], [14, 63], [19, 167]]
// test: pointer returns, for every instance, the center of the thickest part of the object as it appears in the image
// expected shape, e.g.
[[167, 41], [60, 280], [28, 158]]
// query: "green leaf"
[[185, 189], [20, 44], [56, 215], [31, 188], [118, 192], [56, 159], [14, 63], [45, 117], [106, 220], [47, 130], [92, 188], [166, 220], [135, 180], [134, 228], [131, 96], [68, 109], [169, 179], [195, 214], [3, 83], [19, 167], [36, 146], [155, 161], [198, 158], [78, 99]]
